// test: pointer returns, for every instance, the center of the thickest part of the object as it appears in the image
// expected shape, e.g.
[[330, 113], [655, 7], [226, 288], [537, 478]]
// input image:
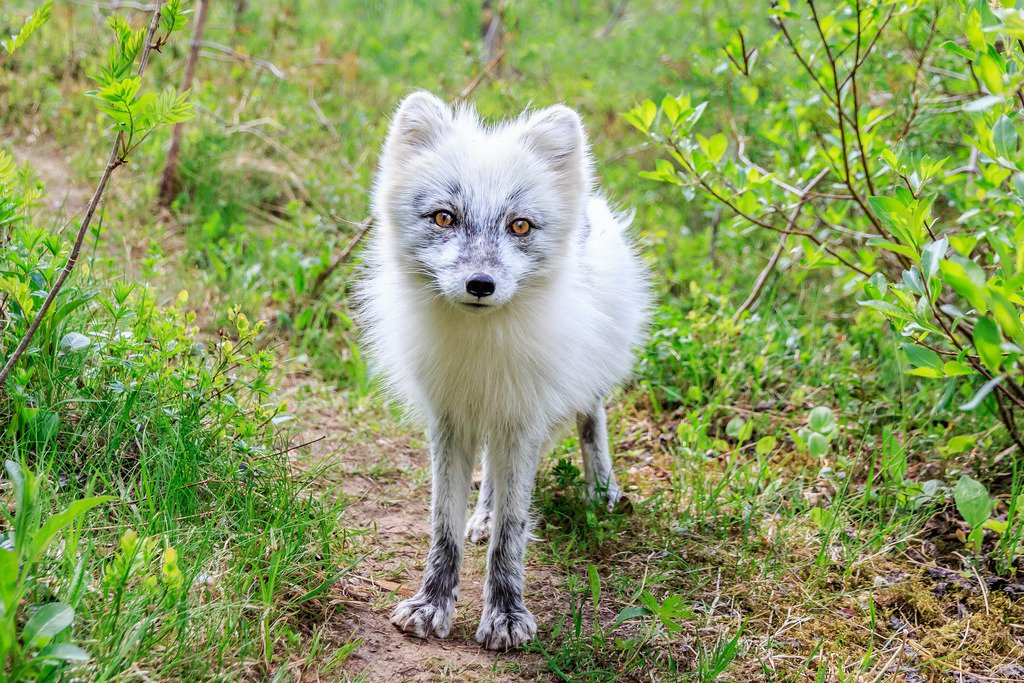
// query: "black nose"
[[480, 285]]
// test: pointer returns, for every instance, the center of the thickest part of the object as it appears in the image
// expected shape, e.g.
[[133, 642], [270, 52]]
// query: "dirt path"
[[65, 196], [383, 470]]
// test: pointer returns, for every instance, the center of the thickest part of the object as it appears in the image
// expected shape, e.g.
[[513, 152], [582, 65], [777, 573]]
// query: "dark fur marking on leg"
[[506, 567], [442, 575], [588, 428]]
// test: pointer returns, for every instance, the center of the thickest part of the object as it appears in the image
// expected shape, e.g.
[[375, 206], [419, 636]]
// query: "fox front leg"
[[430, 611], [512, 465]]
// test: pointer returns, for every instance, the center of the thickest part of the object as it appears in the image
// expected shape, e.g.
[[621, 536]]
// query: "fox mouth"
[[475, 306]]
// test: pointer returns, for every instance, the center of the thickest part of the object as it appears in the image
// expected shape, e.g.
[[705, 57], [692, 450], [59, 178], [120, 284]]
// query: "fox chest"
[[486, 379]]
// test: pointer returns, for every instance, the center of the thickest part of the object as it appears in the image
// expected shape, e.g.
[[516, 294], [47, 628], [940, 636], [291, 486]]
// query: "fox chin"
[[500, 298]]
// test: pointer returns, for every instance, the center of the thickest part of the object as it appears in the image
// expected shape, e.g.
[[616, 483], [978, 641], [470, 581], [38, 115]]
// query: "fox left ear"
[[556, 133], [421, 119]]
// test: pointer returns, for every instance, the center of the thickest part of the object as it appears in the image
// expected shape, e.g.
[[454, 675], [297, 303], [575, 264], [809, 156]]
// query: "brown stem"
[[321, 279], [856, 108], [169, 180], [113, 162], [763, 224], [762, 278]]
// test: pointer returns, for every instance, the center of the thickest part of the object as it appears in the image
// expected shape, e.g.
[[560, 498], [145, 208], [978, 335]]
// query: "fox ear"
[[420, 119], [556, 133]]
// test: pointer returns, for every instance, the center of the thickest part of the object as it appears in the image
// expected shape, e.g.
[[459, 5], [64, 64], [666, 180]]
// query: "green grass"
[[761, 541]]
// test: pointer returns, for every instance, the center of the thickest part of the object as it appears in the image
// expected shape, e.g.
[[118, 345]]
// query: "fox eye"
[[520, 226], [443, 219]]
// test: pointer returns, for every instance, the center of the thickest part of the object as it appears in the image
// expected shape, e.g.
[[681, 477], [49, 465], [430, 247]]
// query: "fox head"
[[479, 214]]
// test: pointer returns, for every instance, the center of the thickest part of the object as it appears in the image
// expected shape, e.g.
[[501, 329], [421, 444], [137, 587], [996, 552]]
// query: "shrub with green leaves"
[[853, 156]]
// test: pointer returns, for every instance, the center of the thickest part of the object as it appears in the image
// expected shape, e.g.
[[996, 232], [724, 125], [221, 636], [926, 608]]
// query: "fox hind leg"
[[597, 462], [478, 528]]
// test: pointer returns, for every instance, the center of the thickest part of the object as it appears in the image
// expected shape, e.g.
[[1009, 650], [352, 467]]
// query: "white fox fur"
[[499, 372]]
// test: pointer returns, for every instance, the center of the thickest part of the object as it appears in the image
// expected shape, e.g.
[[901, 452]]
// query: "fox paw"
[[478, 528], [422, 618], [609, 494], [507, 630]]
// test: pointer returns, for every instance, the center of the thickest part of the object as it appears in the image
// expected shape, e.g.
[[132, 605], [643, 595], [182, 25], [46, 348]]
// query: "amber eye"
[[520, 226], [443, 219]]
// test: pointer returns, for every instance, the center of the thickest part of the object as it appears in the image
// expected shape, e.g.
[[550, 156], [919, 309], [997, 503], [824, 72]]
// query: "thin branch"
[[762, 278], [244, 59], [169, 180], [764, 224], [113, 162], [342, 257], [479, 78]]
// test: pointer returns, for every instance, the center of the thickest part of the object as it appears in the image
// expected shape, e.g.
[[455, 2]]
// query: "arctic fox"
[[500, 299]]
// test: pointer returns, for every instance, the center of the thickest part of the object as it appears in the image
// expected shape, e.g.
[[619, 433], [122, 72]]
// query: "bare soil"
[[65, 195]]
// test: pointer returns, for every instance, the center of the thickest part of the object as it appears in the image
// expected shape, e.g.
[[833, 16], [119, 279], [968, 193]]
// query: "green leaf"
[[996, 525], [974, 31], [765, 445], [1004, 137], [894, 460], [909, 252], [955, 368], [822, 420], [714, 147], [986, 342], [950, 46], [1005, 313], [595, 585], [670, 106], [921, 357], [54, 524], [967, 279], [932, 255], [172, 17], [166, 109], [116, 101], [817, 445], [626, 614], [48, 621], [887, 308], [972, 501], [958, 444], [32, 23], [648, 110], [8, 575], [64, 652], [990, 72]]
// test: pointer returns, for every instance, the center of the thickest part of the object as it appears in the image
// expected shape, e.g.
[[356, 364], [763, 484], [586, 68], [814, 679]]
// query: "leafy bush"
[[881, 190]]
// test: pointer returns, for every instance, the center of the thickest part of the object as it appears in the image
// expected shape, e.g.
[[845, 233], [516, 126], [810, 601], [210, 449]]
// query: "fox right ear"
[[420, 119]]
